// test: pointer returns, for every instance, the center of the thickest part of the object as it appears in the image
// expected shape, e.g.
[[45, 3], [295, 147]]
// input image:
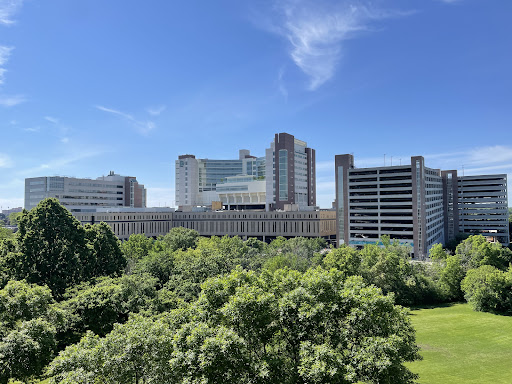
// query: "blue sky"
[[89, 86]]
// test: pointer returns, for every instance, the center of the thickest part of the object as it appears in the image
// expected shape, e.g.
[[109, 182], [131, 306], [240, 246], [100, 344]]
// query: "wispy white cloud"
[[156, 111], [64, 140], [316, 31], [11, 101], [491, 154], [7, 10], [280, 84], [57, 165], [143, 127], [115, 112], [53, 120], [32, 129], [5, 161], [5, 53]]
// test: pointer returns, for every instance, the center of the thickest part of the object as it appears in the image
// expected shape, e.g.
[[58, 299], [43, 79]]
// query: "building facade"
[[416, 205], [264, 226], [82, 195], [291, 163], [483, 206], [124, 222]]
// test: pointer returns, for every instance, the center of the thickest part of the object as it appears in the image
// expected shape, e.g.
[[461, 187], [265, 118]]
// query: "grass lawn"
[[459, 345]]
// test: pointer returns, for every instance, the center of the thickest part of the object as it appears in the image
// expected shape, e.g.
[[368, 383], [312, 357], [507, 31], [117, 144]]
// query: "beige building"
[[264, 226], [126, 221]]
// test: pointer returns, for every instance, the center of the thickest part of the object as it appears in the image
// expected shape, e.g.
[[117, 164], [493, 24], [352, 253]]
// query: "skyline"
[[89, 87]]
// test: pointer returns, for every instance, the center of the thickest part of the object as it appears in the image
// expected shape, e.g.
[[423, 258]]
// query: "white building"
[[85, 195]]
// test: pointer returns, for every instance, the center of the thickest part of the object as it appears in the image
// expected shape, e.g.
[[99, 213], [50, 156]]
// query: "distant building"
[[285, 175], [83, 195], [197, 179], [417, 205], [7, 212]]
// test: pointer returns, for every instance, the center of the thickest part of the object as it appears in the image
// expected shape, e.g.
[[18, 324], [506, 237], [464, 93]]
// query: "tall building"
[[250, 182], [416, 205], [85, 195], [197, 180], [292, 166]]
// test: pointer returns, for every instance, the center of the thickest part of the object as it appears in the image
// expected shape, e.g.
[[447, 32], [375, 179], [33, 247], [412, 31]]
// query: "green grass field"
[[459, 345]]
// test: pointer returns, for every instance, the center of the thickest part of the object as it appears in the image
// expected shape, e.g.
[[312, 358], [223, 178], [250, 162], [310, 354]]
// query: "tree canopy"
[[280, 327]]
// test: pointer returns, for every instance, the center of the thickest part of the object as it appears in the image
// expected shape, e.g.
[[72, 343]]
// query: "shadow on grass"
[[433, 306]]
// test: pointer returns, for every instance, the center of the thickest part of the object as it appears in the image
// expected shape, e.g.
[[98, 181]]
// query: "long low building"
[[152, 222], [264, 226]]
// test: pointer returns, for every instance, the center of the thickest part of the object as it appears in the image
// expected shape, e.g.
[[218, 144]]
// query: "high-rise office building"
[[250, 182], [85, 195], [416, 205], [291, 175]]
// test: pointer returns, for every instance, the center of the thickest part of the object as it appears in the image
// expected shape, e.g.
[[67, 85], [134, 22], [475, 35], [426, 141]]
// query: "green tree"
[[20, 301], [390, 269], [476, 251], [159, 264], [276, 327], [345, 259], [451, 245], [14, 218], [98, 307], [489, 289], [212, 257], [51, 246], [437, 252], [135, 352], [137, 246], [181, 238], [105, 257], [450, 278], [310, 327], [5, 233], [25, 351]]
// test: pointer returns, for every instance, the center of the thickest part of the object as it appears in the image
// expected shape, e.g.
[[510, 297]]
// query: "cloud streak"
[[156, 111], [143, 127], [5, 53], [316, 32], [56, 165], [52, 120], [5, 161], [7, 10], [11, 101]]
